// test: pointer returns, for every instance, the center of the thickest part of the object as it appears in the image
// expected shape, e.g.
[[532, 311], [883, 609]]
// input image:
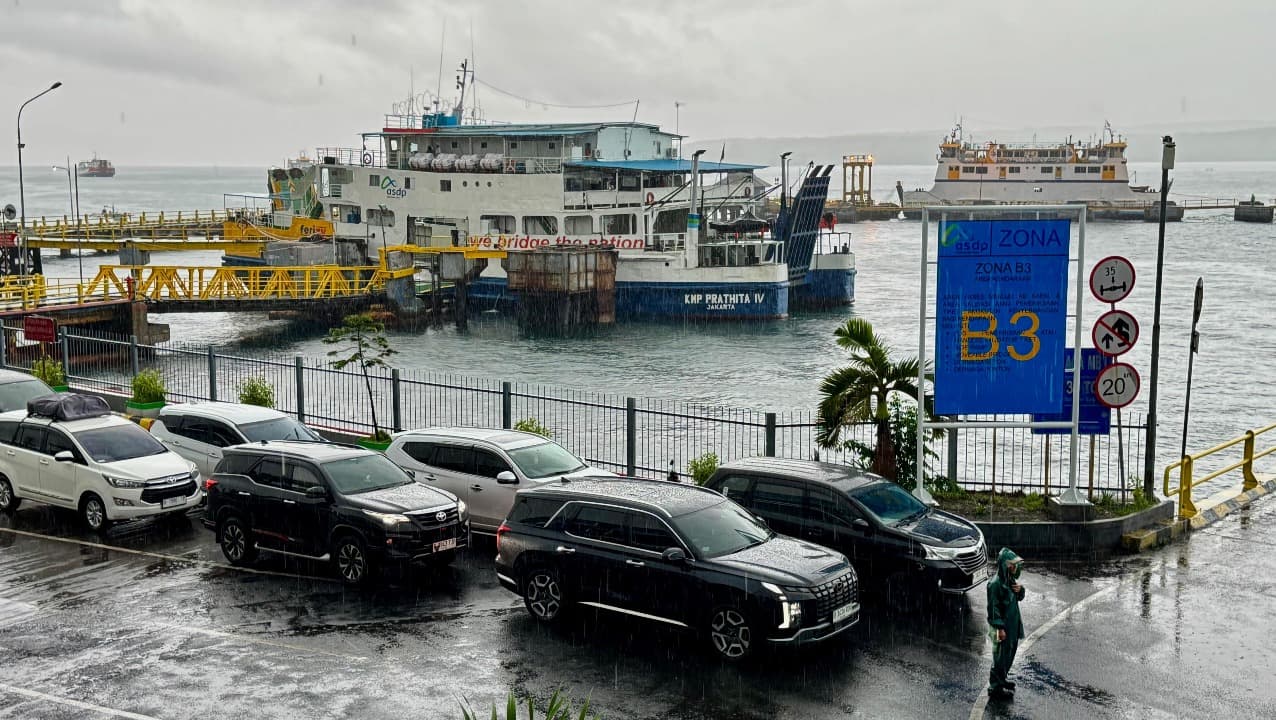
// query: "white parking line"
[[162, 556], [75, 703], [981, 704]]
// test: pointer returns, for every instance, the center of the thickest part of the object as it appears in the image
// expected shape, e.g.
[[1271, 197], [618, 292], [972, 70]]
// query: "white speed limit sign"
[[1117, 385]]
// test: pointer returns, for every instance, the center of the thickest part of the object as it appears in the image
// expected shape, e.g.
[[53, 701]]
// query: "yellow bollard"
[[1251, 481], [1187, 509]]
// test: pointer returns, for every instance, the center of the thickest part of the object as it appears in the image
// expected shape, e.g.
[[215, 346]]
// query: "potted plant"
[[51, 372], [148, 394], [362, 342]]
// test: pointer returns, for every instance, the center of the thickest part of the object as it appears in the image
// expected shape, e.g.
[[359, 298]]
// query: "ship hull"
[[1045, 192]]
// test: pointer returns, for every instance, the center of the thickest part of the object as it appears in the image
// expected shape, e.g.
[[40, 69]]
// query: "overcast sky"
[[248, 82]]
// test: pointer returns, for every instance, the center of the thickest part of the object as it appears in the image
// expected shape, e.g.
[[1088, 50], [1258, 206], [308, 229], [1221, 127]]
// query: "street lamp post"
[[1149, 458], [22, 200]]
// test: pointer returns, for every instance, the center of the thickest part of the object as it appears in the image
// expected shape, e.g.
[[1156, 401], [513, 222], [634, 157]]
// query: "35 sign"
[[1001, 315]]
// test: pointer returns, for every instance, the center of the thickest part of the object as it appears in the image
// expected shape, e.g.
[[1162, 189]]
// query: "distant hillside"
[[918, 148]]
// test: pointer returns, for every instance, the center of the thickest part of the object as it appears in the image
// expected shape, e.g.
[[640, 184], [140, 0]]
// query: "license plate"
[[172, 502], [846, 611], [442, 545]]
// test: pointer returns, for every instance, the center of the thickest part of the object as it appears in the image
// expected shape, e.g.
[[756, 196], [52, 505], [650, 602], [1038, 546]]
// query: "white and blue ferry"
[[433, 180]]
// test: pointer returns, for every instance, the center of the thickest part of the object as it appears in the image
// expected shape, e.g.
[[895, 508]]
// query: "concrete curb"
[[1221, 508]]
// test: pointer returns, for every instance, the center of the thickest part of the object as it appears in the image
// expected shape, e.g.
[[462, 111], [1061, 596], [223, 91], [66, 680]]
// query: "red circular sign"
[[1112, 279], [1115, 332], [1117, 385]]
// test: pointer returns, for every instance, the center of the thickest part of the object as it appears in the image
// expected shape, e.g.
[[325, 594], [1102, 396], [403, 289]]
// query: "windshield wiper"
[[915, 516]]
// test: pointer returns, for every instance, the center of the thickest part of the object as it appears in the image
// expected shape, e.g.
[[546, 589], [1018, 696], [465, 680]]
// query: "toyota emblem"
[[440, 515]]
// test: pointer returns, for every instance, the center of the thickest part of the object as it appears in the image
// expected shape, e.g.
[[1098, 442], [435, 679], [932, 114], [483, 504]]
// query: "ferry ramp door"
[[437, 232]]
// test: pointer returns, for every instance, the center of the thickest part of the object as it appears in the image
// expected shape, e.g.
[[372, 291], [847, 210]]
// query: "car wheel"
[[730, 634], [236, 541], [543, 595], [8, 501], [93, 510], [350, 556]]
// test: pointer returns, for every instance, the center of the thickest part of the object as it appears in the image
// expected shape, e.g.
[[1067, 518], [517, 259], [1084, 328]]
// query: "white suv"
[[104, 466], [484, 467], [199, 431]]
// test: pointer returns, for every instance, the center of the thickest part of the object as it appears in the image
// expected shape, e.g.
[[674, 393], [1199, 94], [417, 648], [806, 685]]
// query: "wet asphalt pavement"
[[149, 622]]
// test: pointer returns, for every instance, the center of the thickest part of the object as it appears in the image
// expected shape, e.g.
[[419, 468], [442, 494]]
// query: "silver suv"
[[199, 431], [484, 467]]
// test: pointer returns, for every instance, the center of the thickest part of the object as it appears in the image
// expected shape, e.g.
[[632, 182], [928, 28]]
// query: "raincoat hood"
[[1004, 559]]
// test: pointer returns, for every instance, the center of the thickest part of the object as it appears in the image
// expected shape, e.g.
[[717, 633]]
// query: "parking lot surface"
[[149, 622]]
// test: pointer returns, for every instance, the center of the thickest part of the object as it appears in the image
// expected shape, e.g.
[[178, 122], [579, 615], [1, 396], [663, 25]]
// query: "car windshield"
[[14, 395], [892, 504], [722, 529], [118, 442], [545, 460], [282, 428], [365, 473]]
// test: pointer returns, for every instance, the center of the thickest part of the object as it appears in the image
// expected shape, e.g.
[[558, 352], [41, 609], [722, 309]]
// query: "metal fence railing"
[[641, 436]]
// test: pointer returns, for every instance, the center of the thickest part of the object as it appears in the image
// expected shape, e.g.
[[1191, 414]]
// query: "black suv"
[[675, 554], [887, 533], [327, 501]]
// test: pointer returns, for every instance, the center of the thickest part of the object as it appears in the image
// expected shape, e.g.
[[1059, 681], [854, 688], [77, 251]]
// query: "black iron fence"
[[642, 436]]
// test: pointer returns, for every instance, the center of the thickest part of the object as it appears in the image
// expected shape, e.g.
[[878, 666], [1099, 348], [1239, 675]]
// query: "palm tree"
[[860, 391]]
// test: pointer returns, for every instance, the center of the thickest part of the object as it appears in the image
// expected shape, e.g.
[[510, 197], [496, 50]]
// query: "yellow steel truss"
[[310, 282]]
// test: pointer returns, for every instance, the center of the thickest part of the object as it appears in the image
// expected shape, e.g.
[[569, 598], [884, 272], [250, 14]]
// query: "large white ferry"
[[432, 179], [1004, 173]]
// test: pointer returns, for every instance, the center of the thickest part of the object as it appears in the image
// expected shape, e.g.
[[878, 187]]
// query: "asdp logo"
[[392, 188], [953, 233]]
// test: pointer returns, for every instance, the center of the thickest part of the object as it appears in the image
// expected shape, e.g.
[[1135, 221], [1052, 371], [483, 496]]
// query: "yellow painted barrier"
[[309, 282], [1187, 482]]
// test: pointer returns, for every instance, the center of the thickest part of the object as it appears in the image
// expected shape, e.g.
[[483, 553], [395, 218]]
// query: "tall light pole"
[[75, 208], [1149, 458], [22, 199]]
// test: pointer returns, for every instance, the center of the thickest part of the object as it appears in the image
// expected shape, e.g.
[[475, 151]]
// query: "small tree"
[[49, 370], [363, 343], [703, 467], [532, 425], [256, 391]]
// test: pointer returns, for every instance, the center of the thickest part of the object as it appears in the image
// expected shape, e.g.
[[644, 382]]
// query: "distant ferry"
[[1047, 174], [96, 168]]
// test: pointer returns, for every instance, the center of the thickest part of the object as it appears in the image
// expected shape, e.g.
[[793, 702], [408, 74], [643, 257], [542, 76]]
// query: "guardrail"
[[28, 292], [306, 282], [45, 226], [1187, 482]]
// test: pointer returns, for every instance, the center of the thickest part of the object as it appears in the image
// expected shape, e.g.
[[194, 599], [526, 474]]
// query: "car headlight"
[[773, 588], [462, 510], [123, 483], [790, 614], [194, 475], [943, 553], [389, 520]]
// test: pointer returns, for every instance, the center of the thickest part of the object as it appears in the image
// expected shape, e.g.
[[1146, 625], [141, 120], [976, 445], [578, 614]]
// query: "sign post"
[[1001, 317]]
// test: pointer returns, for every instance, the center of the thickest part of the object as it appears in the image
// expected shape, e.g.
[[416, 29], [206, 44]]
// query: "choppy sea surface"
[[778, 365]]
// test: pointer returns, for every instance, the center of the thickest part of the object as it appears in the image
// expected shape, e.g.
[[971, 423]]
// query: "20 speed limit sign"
[[1117, 385]]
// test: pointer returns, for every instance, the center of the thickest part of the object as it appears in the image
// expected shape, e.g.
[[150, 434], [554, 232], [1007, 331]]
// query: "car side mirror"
[[317, 492], [64, 456], [505, 477], [674, 555], [861, 524]]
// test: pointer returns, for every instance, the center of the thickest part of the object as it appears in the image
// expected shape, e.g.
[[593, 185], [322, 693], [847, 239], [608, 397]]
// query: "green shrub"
[[532, 425], [1034, 502], [49, 370], [558, 708], [148, 387], [702, 468], [256, 391]]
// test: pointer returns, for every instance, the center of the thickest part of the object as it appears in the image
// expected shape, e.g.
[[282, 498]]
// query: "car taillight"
[[209, 483], [499, 532]]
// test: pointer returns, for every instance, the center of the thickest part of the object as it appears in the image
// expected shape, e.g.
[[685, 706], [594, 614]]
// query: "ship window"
[[497, 224], [579, 225], [1014, 171], [967, 169], [513, 145], [345, 213], [380, 218], [540, 225], [407, 183], [445, 186], [483, 145], [1046, 170], [1078, 170], [394, 144], [374, 181], [618, 224], [551, 145], [1092, 170], [952, 168], [413, 147], [981, 170], [454, 145]]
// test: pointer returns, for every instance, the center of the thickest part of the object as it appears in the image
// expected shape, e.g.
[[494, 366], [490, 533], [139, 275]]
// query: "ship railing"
[[364, 157]]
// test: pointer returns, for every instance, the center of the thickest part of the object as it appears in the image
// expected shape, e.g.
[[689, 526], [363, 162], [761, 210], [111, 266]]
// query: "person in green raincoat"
[[1005, 625]]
